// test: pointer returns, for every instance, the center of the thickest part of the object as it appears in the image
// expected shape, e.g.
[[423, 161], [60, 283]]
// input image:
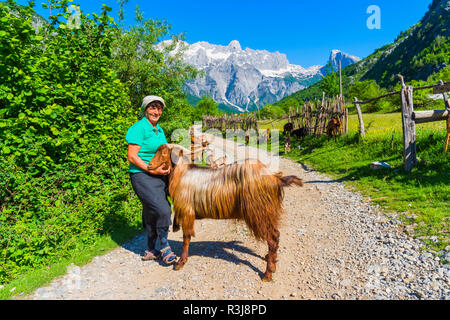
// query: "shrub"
[[64, 114]]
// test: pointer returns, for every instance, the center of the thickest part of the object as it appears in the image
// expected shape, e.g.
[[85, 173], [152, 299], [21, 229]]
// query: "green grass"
[[421, 197], [83, 255]]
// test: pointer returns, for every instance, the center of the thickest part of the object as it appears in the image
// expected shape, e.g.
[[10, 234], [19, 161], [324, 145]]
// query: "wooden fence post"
[[447, 107], [360, 118], [346, 120], [447, 139], [409, 128]]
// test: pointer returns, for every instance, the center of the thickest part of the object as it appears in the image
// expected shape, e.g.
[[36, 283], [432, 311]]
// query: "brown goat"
[[198, 148], [287, 144], [242, 191], [333, 128], [265, 136]]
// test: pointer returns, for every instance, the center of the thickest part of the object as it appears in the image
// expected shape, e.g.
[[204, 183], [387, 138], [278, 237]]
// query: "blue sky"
[[306, 31]]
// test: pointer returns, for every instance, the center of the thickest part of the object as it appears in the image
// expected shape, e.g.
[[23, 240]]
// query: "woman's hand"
[[159, 171], [133, 157]]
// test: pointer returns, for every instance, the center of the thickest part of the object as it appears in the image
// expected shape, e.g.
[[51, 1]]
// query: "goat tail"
[[288, 180]]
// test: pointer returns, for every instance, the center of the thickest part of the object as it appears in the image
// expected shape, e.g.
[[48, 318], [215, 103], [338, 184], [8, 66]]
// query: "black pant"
[[156, 211]]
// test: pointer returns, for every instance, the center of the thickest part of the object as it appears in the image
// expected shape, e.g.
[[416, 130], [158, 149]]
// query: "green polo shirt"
[[145, 135]]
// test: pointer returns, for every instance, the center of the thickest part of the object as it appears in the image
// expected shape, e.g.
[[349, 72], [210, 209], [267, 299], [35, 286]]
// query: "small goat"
[[265, 136], [198, 148], [219, 162], [287, 144], [243, 191], [300, 133], [333, 128], [287, 128], [247, 137]]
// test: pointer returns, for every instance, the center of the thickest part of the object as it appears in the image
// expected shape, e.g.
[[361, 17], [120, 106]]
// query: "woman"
[[144, 137]]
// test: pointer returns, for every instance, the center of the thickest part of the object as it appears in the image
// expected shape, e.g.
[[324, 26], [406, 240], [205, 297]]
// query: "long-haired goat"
[[333, 128], [242, 190]]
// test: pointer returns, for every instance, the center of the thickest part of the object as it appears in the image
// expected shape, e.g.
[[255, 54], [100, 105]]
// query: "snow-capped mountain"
[[345, 59], [245, 79]]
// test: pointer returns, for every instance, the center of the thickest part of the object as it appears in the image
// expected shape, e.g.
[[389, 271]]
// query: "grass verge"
[[81, 256], [421, 197]]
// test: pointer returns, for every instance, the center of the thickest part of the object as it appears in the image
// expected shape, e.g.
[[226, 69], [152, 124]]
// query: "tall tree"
[[206, 106], [330, 82], [149, 68]]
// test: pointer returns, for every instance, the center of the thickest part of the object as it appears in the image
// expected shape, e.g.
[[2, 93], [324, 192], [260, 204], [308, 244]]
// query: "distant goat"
[[219, 162], [198, 146], [300, 133], [243, 191], [287, 144], [287, 128], [265, 136], [333, 128], [247, 137]]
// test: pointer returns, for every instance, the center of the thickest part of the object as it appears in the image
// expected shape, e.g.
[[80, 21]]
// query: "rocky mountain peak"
[[235, 45], [247, 79], [336, 56]]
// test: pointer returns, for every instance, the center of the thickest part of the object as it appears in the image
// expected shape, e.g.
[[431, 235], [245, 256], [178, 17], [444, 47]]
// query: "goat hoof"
[[267, 278], [178, 266]]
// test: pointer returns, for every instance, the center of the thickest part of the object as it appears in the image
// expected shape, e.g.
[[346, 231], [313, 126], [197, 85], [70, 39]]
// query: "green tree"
[[365, 90], [330, 82], [272, 111], [289, 103], [148, 66], [206, 106], [63, 117]]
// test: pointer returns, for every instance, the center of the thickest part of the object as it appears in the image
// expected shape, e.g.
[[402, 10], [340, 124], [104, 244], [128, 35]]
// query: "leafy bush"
[[364, 90], [206, 106], [272, 112], [330, 82], [63, 116]]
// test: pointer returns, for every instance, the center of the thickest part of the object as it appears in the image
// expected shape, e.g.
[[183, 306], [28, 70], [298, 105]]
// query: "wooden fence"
[[231, 121], [411, 117], [314, 115]]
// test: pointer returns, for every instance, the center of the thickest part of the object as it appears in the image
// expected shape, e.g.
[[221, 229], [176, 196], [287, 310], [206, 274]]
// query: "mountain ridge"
[[247, 79]]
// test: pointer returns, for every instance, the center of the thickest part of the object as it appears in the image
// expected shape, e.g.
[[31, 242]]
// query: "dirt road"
[[333, 245]]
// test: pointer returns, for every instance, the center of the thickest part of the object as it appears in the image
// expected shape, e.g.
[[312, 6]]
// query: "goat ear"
[[179, 152]]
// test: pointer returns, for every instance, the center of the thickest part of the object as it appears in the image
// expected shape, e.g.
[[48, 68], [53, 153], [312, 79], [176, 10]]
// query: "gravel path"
[[334, 245]]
